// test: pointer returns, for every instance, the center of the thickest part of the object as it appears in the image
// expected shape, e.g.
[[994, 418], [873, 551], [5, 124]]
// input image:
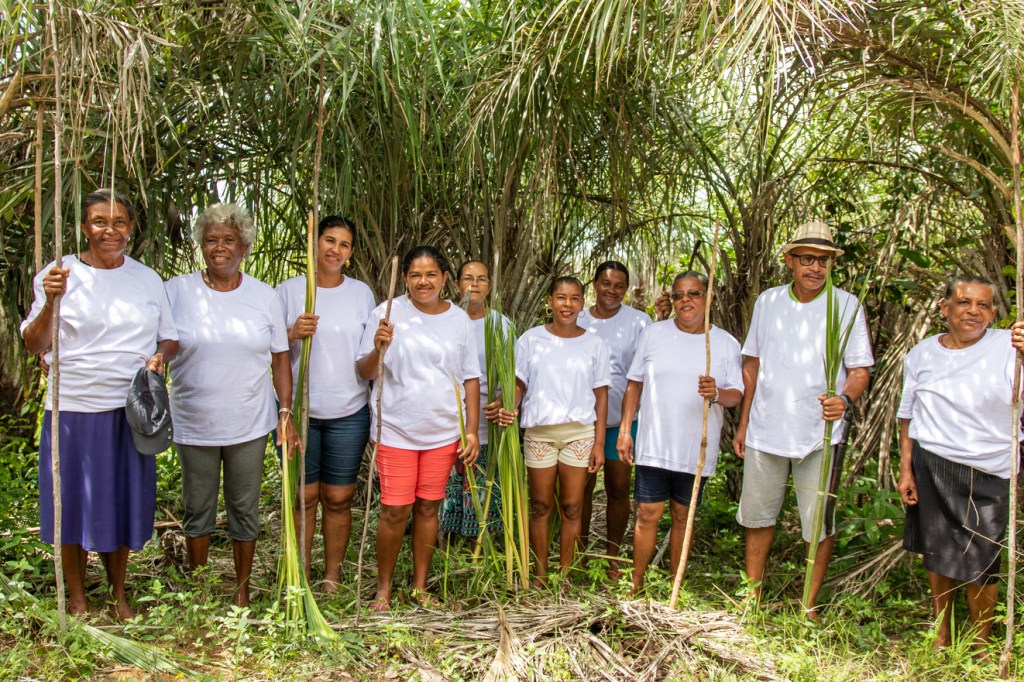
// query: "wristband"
[[846, 401], [714, 401], [285, 410]]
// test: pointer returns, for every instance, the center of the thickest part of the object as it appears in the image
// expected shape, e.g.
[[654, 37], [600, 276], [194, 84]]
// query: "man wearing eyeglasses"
[[784, 408]]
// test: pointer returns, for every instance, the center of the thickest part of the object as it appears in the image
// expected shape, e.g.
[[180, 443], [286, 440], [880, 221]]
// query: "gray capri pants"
[[200, 484]]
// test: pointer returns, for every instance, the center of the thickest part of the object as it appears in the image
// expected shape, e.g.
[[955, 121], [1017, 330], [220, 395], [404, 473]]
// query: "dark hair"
[[691, 274], [565, 279], [104, 196], [957, 280], [458, 274], [424, 251], [335, 221], [611, 265]]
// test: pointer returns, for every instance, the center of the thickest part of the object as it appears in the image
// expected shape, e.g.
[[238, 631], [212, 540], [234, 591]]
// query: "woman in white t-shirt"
[[339, 414], [430, 366], [562, 378], [668, 385], [955, 452], [233, 360], [619, 326], [114, 320], [458, 515]]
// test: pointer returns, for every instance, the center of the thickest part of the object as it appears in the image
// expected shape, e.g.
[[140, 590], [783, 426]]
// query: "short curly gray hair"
[[226, 214]]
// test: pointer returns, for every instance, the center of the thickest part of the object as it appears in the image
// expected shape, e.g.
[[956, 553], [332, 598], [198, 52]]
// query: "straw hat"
[[815, 234]]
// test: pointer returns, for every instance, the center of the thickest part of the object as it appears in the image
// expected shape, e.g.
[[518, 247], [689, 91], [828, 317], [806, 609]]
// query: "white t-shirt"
[[960, 402], [419, 405], [789, 339], [110, 323], [668, 361], [335, 390], [222, 391], [621, 332], [481, 351], [560, 376]]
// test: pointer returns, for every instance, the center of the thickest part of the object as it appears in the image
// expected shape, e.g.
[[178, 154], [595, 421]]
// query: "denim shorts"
[[334, 448], [611, 435], [657, 485]]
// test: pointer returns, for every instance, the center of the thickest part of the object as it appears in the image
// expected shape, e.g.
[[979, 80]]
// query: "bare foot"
[[613, 572], [120, 611], [76, 607], [242, 597], [330, 586], [423, 599], [943, 640]]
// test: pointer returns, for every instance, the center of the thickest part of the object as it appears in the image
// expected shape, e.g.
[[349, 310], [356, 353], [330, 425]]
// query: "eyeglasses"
[[469, 279], [806, 259], [692, 293]]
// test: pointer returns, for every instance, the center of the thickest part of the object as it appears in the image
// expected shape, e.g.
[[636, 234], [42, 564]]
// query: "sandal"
[[380, 605], [423, 599]]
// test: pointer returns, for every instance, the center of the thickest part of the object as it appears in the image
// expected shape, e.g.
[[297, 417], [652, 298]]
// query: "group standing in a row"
[[595, 387]]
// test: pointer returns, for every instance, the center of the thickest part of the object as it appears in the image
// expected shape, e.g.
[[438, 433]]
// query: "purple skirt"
[[108, 490]]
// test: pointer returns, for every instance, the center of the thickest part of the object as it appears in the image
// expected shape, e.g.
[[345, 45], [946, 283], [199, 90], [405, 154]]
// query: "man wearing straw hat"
[[784, 408]]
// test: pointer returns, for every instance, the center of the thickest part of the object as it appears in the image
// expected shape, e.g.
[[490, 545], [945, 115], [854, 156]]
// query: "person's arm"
[[38, 333], [907, 485], [504, 416], [857, 379], [281, 371], [600, 427], [469, 452], [165, 352], [366, 366], [305, 325], [751, 366], [630, 403], [662, 306], [707, 387]]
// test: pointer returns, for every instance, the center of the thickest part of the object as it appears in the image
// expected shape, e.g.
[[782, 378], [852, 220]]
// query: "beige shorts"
[[569, 444]]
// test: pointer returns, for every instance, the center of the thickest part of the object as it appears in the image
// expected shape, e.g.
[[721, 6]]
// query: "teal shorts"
[[611, 436]]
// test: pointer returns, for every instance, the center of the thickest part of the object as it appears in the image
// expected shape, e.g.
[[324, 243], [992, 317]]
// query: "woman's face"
[[334, 248], [223, 249], [566, 302], [476, 281], [689, 298], [106, 228], [610, 289], [424, 280], [969, 311]]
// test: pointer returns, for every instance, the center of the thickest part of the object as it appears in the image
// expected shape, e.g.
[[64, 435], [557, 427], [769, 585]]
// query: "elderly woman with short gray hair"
[[233, 360]]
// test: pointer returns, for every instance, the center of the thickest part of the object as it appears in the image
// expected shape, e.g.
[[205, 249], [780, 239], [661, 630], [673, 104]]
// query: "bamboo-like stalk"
[[376, 442], [58, 247], [1011, 581], [37, 250], [691, 512], [301, 414]]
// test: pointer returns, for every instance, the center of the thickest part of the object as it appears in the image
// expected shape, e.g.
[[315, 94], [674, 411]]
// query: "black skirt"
[[960, 519]]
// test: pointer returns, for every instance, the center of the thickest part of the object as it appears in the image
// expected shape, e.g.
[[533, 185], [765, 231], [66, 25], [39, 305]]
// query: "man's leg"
[[981, 602], [765, 477], [942, 604]]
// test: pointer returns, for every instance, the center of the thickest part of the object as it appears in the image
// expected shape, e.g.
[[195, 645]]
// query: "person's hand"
[[1017, 336], [707, 388], [492, 410], [470, 449], [832, 409], [663, 305], [305, 326], [506, 417], [624, 446], [43, 365], [739, 441], [55, 283], [385, 332], [287, 437], [596, 457], [156, 363], [908, 488]]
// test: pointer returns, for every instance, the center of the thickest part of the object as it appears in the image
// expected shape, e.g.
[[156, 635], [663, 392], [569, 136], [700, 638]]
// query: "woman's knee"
[[391, 515], [540, 508], [648, 516], [426, 508], [337, 499], [571, 510]]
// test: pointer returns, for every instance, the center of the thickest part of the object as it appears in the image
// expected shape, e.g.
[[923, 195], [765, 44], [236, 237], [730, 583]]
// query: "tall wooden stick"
[[303, 415], [58, 248], [1011, 598], [376, 442], [38, 229], [691, 512]]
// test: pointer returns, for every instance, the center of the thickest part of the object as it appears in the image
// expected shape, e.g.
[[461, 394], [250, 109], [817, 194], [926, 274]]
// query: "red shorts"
[[409, 474]]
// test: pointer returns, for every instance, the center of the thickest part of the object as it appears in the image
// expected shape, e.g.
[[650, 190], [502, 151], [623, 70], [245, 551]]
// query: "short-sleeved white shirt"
[[335, 389], [110, 323], [621, 332], [960, 402], [669, 361], [789, 339], [222, 391], [481, 351], [560, 376], [419, 404]]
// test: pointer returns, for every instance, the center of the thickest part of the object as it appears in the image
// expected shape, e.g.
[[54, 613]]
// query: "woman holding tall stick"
[[115, 318], [667, 382]]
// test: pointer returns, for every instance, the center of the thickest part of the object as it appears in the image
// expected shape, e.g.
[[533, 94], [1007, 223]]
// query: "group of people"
[[598, 387]]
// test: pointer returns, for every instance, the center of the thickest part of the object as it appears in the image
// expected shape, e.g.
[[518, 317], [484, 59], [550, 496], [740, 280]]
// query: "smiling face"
[[689, 298], [566, 302], [223, 249], [808, 280], [610, 289], [969, 311], [334, 248], [106, 228], [424, 280], [476, 281]]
